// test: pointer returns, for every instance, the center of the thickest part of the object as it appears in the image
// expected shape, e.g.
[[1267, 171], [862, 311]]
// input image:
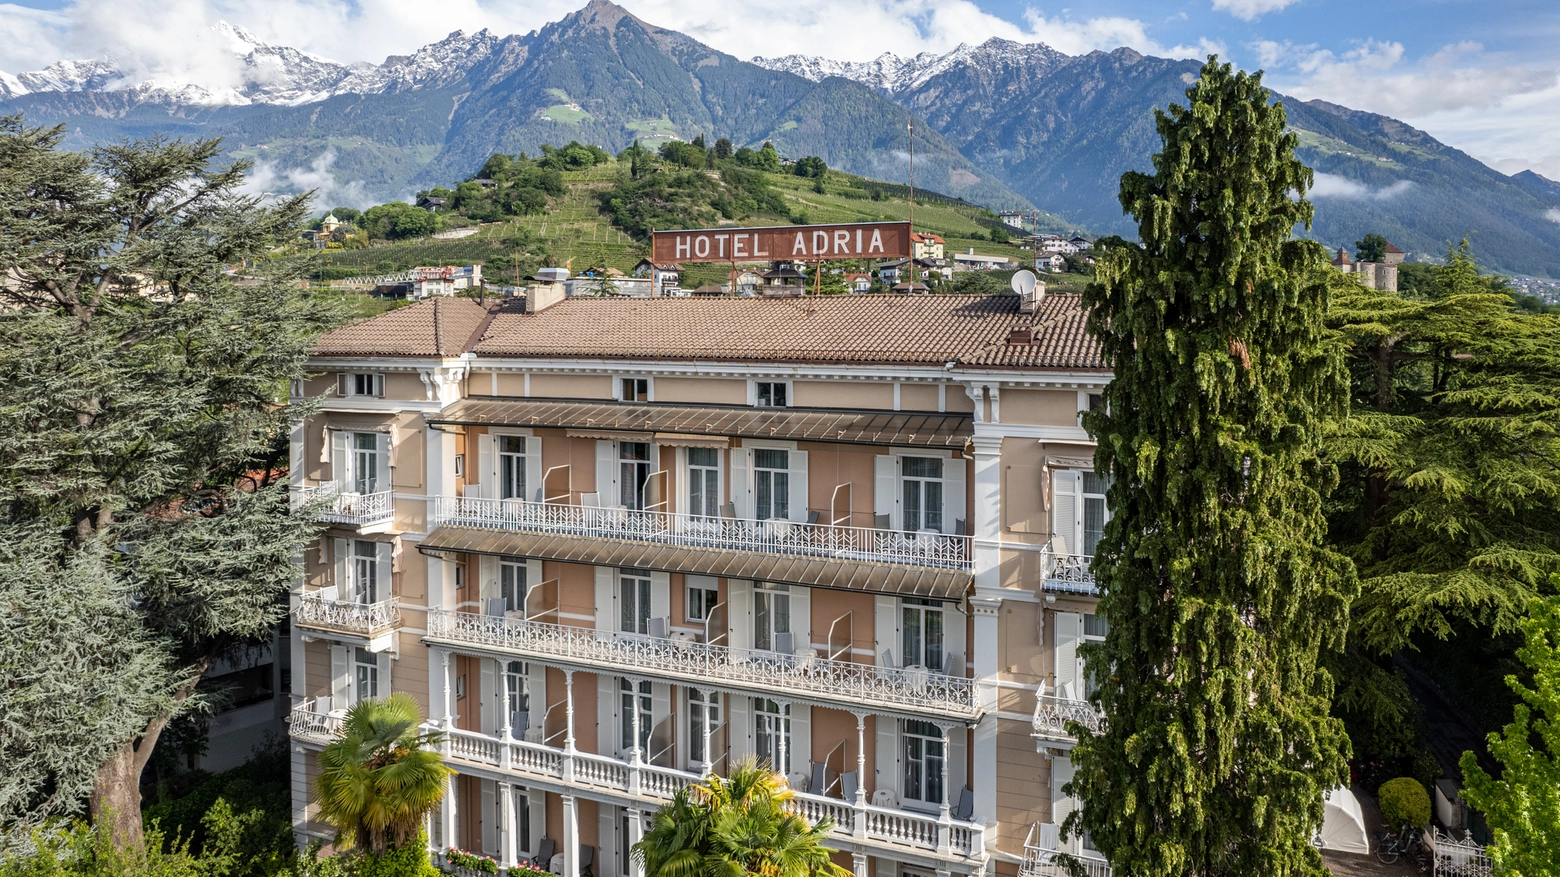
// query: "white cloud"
[[268, 179], [1248, 10], [1334, 186], [1552, 214], [32, 37]]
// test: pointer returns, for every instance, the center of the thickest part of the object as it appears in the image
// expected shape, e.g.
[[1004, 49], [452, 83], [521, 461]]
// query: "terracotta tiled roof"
[[436, 327], [865, 329]]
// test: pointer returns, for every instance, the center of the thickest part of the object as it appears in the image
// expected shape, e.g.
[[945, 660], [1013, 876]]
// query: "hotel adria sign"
[[801, 243]]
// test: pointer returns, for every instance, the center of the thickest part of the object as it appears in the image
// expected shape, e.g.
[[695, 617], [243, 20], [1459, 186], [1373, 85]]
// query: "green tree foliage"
[[810, 167], [1217, 746], [398, 220], [574, 157], [1522, 808], [722, 149], [1404, 801], [735, 826], [765, 159], [1370, 248], [142, 437], [259, 792], [510, 186], [82, 850], [687, 155], [381, 777], [690, 199]]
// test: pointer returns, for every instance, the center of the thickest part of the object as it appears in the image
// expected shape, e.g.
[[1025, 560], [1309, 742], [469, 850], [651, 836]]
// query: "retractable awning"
[[816, 572], [890, 428]]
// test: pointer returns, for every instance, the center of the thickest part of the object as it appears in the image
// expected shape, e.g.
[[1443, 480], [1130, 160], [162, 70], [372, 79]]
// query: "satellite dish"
[[1024, 282]]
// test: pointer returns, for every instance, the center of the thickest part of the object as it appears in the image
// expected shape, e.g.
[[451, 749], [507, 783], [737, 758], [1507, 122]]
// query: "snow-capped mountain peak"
[[894, 74]]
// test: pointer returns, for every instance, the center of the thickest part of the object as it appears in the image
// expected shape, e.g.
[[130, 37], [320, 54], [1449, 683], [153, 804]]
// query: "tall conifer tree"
[[1217, 748]]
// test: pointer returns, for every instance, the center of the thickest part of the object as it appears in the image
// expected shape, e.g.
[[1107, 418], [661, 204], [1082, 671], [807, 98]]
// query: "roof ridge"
[[482, 326]]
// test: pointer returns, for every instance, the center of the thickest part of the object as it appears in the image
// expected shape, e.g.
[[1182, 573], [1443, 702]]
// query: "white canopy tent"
[[1343, 824]]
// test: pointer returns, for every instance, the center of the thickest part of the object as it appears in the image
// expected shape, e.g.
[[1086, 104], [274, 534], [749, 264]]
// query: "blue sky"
[[1484, 77]]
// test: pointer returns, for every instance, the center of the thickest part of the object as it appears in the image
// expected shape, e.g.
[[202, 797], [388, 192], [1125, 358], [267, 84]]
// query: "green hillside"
[[576, 228]]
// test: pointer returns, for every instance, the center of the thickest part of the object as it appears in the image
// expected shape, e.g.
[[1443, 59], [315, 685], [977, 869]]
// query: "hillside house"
[[1013, 218], [858, 282], [1053, 263], [1376, 275], [663, 277], [926, 246]]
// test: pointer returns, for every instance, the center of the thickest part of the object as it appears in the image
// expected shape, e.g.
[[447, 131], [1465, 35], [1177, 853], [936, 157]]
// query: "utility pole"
[[912, 181]]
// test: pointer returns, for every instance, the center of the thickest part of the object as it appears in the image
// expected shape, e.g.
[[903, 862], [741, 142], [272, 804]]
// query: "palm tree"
[[734, 827], [380, 778]]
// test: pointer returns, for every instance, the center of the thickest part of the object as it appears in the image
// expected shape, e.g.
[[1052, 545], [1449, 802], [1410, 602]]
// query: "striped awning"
[[887, 428], [814, 572]]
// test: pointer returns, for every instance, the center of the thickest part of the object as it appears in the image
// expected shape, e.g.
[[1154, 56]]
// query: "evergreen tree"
[[1370, 248], [1217, 747], [1523, 806], [143, 430]]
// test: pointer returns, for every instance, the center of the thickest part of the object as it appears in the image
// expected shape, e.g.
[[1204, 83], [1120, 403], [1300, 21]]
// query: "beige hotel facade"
[[611, 546]]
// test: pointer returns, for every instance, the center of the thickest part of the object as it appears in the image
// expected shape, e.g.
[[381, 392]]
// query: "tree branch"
[[154, 728]]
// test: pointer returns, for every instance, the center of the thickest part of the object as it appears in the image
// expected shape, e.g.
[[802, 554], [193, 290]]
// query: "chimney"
[[542, 296], [1029, 302]]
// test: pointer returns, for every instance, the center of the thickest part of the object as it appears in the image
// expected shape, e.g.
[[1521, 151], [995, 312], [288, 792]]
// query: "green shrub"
[[408, 860], [1404, 802]]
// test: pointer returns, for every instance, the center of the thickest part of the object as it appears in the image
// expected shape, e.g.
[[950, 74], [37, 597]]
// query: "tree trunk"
[[116, 798]]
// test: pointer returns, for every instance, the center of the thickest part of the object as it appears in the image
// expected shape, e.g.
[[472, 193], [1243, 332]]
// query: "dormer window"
[[361, 384], [634, 389], [771, 394]]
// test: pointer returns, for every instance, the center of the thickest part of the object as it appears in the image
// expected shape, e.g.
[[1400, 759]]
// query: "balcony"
[[640, 784], [1068, 573], [369, 624], [366, 512], [312, 722], [928, 549], [1052, 715], [908, 691], [1042, 859]]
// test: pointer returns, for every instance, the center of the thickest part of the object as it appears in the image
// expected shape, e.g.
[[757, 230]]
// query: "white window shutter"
[[1069, 631], [341, 459], [800, 749], [888, 753], [739, 613], [954, 636], [742, 481], [796, 464], [537, 716], [606, 599], [1062, 804], [538, 819], [533, 584], [487, 583], [1066, 537], [954, 520], [801, 617], [340, 677], [488, 692], [885, 492], [533, 468], [664, 728], [384, 674], [739, 727], [383, 562], [342, 380], [343, 571], [489, 817], [958, 760], [487, 482], [607, 473], [661, 596], [885, 630], [609, 705]]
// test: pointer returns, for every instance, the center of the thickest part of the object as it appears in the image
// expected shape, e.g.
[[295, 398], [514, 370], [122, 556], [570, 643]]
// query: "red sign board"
[[800, 243]]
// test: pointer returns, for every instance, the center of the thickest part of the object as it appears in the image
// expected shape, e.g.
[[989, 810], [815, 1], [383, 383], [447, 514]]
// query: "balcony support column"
[[708, 767], [505, 731], [571, 836], [858, 864], [944, 813], [568, 730], [636, 832], [506, 824], [635, 756], [449, 707], [861, 760]]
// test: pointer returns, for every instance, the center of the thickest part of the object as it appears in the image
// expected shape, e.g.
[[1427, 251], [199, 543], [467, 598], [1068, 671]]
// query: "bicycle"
[[1390, 847]]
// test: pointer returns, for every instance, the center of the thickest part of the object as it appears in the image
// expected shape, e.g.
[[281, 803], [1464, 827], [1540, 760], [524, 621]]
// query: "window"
[[701, 601], [1096, 401], [772, 618], [460, 577], [366, 477], [1095, 514], [702, 713], [704, 482], [921, 632], [635, 390], [517, 683], [634, 471], [921, 483], [1094, 629], [362, 385], [772, 734], [522, 803], [924, 760], [512, 585], [365, 671], [365, 572], [772, 484], [630, 701], [634, 603], [771, 394], [511, 467]]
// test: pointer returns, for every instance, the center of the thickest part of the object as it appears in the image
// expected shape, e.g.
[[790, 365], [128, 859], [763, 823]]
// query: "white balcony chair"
[[328, 593]]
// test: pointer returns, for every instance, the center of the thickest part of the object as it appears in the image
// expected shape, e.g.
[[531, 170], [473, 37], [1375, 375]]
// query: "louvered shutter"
[[489, 817], [801, 617], [1062, 804], [383, 562], [661, 597], [800, 750], [739, 613], [533, 469], [888, 753], [742, 481], [606, 599], [796, 463], [885, 492], [885, 629], [488, 587], [609, 705], [341, 460], [343, 570], [340, 678], [1069, 631], [739, 727], [1066, 512], [958, 761], [607, 473], [488, 692], [954, 520], [487, 483]]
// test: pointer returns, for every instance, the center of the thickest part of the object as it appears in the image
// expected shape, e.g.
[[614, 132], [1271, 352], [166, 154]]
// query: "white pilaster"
[[506, 825], [571, 836]]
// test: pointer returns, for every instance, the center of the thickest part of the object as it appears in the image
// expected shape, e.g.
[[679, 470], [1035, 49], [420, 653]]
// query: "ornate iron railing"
[[358, 509], [311, 721], [912, 690], [1068, 573], [773, 537], [1041, 860], [1458, 858], [1053, 713], [348, 616]]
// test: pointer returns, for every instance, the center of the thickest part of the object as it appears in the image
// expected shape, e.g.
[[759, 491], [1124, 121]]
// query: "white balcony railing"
[[1053, 713], [348, 616], [879, 826], [357, 509], [311, 721], [1068, 573], [904, 690], [669, 528], [1042, 859]]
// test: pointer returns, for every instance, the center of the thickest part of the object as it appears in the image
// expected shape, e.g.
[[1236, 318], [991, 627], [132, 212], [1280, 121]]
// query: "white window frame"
[[768, 726], [379, 454], [643, 697], [905, 482], [923, 608], [518, 685], [1088, 500], [357, 562], [366, 682], [638, 600], [767, 597], [928, 769], [697, 708], [624, 484], [709, 598], [519, 464], [689, 467], [619, 390], [370, 385], [514, 580], [755, 398], [1087, 637], [784, 495]]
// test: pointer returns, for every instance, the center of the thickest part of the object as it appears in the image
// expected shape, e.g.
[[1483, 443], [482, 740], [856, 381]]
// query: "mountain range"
[[1004, 124]]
